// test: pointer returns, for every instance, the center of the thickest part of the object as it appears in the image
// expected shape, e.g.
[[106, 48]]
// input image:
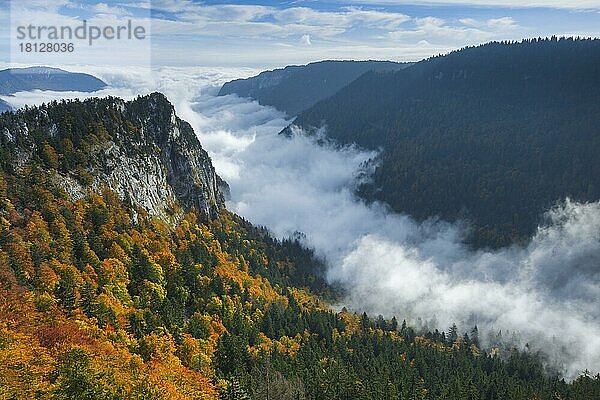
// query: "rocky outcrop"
[[139, 149]]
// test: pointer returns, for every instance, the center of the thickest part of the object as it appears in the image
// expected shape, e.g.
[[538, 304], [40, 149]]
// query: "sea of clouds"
[[546, 293]]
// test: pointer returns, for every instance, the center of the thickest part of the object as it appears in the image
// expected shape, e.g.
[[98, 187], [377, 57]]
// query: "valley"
[[336, 297]]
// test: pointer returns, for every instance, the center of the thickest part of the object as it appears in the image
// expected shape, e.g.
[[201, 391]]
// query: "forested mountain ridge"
[[296, 88], [140, 149], [100, 299], [495, 134], [13, 80]]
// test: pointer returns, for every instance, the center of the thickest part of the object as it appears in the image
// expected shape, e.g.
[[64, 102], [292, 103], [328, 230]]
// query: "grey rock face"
[[167, 165]]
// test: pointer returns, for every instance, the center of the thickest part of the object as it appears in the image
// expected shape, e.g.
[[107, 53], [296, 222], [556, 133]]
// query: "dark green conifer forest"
[[493, 135]]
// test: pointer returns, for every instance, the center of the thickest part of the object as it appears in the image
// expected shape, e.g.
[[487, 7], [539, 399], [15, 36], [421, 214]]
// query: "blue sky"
[[269, 33]]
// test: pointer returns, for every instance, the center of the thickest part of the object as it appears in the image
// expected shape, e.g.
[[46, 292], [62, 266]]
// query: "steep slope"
[[495, 134], [294, 89], [139, 149], [14, 80]]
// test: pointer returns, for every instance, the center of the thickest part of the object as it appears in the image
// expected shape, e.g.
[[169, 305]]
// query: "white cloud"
[[435, 29], [344, 19], [305, 40], [250, 20], [561, 4], [501, 23], [469, 21], [41, 5], [470, 31], [226, 12], [546, 291], [103, 8]]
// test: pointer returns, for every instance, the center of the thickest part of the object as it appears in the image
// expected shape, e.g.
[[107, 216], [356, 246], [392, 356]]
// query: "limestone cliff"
[[140, 149]]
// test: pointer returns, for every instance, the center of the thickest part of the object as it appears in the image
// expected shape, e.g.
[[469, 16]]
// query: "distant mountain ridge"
[[15, 80], [294, 89], [494, 134], [4, 106]]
